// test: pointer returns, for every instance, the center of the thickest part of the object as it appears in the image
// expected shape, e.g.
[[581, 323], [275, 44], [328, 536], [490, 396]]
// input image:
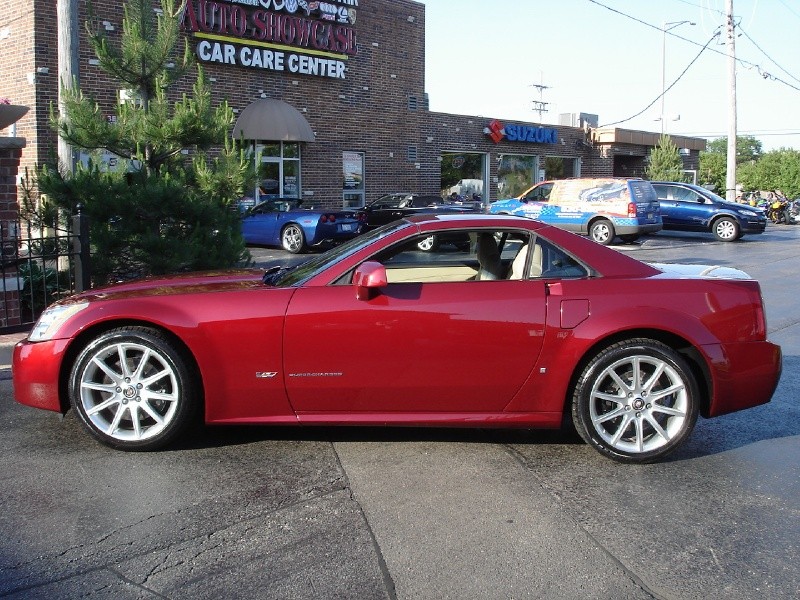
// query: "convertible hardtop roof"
[[474, 220], [607, 261]]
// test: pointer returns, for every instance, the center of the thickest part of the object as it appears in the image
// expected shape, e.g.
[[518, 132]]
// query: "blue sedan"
[[284, 222]]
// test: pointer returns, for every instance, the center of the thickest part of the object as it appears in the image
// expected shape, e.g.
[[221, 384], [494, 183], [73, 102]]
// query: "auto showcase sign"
[[293, 36], [531, 134]]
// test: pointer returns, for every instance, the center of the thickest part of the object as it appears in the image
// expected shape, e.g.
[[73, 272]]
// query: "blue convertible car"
[[284, 222]]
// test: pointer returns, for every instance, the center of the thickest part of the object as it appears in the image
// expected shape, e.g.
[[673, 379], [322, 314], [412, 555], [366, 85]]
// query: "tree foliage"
[[665, 163], [756, 170], [776, 170], [748, 148], [167, 206]]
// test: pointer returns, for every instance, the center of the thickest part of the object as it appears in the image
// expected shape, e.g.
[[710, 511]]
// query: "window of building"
[[559, 167], [515, 174], [463, 175]]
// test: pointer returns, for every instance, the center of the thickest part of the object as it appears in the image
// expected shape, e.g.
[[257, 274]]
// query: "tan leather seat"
[[488, 254], [520, 260]]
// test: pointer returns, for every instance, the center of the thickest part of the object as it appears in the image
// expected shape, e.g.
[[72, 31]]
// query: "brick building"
[[333, 93]]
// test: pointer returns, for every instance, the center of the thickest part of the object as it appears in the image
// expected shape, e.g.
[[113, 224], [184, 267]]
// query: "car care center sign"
[[292, 36]]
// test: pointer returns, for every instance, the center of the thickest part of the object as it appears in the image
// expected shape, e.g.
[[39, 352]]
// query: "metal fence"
[[38, 266]]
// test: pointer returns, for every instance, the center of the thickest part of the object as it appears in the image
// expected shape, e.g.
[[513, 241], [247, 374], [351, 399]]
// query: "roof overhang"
[[613, 135]]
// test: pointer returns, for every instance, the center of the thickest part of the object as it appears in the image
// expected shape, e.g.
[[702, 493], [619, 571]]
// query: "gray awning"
[[273, 120]]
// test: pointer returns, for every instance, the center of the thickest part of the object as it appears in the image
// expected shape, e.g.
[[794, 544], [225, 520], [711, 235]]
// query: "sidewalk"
[[7, 343]]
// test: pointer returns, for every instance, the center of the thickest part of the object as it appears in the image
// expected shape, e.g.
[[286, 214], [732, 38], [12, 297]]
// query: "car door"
[[682, 208], [424, 346], [261, 224], [535, 204]]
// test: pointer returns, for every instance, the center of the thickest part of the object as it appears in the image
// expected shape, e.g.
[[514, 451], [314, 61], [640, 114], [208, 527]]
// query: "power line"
[[752, 41], [661, 95], [742, 62]]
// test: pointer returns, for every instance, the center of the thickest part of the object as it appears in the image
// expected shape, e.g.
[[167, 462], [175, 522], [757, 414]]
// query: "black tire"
[[726, 229], [602, 231], [616, 405], [629, 239], [293, 239], [128, 407]]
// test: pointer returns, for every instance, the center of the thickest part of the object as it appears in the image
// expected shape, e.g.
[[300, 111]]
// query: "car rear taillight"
[[761, 317], [323, 219], [631, 210], [332, 218]]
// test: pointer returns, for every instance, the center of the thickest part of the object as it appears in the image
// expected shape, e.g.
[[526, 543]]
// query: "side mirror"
[[367, 277]]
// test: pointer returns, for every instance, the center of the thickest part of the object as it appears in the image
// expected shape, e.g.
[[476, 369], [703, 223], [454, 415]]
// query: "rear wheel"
[[726, 229], [636, 401], [602, 231], [292, 239], [133, 390]]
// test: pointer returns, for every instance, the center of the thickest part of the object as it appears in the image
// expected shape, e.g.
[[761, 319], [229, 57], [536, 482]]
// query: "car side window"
[[681, 194], [551, 262], [262, 209], [458, 256], [540, 193]]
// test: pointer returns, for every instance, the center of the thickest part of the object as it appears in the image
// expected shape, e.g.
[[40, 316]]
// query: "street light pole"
[[667, 27], [730, 177]]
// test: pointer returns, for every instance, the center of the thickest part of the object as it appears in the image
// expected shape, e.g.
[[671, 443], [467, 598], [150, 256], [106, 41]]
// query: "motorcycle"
[[779, 211], [793, 211]]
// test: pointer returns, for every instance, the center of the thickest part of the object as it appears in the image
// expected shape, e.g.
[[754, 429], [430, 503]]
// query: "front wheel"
[[636, 401], [132, 389], [602, 231], [726, 229], [292, 239]]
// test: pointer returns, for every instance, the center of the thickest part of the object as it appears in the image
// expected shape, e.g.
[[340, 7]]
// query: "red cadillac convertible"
[[513, 324]]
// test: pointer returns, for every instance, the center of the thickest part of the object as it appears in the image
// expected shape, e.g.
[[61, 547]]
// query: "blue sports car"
[[284, 222]]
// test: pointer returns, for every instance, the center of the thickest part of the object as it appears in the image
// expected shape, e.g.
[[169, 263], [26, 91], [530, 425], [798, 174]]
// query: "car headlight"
[[52, 319], [748, 213]]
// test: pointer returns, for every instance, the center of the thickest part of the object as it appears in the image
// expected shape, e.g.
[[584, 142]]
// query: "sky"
[[604, 57]]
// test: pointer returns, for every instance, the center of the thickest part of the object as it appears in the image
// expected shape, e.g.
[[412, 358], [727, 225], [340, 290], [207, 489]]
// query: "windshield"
[[308, 269]]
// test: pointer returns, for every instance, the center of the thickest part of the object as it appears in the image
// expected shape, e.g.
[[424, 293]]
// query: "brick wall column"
[[10, 156]]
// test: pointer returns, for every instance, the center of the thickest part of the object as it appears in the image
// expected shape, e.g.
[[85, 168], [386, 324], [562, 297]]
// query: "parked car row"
[[602, 208], [287, 223]]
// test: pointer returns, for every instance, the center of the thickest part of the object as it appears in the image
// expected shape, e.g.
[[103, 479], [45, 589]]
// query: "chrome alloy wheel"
[[129, 391], [293, 239], [638, 404]]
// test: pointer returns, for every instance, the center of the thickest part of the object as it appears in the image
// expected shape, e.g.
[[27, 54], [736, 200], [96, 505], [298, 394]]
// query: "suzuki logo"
[[495, 131]]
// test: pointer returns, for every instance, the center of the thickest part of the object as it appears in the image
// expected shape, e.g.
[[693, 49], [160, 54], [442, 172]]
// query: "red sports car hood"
[[188, 283]]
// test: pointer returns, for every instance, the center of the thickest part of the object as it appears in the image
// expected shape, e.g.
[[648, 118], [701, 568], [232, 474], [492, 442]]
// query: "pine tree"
[[665, 163], [167, 206]]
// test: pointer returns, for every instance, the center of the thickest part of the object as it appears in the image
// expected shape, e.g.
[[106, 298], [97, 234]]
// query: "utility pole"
[[730, 180], [67, 23]]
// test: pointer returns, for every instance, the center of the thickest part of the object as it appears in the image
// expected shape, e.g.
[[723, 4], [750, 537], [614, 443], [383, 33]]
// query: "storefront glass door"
[[353, 179], [279, 171]]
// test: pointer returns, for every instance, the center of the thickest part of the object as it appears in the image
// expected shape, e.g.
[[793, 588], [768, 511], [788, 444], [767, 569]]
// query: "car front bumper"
[[35, 373]]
